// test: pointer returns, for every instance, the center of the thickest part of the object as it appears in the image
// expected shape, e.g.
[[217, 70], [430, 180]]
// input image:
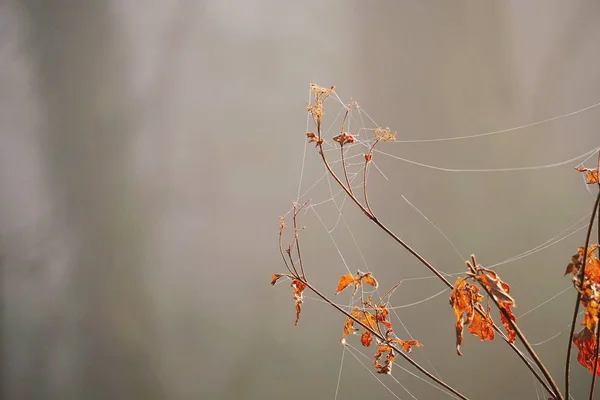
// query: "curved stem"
[[373, 218], [296, 211], [555, 390], [597, 346], [578, 300], [383, 339], [345, 169], [368, 157]]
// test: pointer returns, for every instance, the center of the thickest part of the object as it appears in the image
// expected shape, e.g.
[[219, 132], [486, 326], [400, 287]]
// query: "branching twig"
[[296, 211], [383, 339], [368, 158], [371, 215]]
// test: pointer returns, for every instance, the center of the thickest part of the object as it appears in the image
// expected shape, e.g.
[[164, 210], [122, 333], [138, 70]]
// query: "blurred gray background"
[[147, 149]]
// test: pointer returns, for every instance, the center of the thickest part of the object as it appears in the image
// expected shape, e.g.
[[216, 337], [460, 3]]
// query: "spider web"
[[339, 233]]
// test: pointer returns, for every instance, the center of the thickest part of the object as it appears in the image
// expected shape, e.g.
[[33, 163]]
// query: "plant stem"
[[597, 346], [383, 339], [554, 391], [578, 300], [296, 211], [368, 156], [345, 169]]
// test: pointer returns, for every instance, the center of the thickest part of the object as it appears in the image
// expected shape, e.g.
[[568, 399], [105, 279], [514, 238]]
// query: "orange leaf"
[[591, 175], [312, 138], [463, 298], [275, 278], [368, 319], [369, 279], [349, 279], [407, 344], [366, 338], [349, 324], [344, 138], [345, 281], [381, 315], [482, 327], [585, 341], [386, 368], [298, 287], [592, 268], [496, 286]]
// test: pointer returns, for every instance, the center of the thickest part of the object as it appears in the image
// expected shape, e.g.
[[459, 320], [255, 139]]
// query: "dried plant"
[[477, 286]]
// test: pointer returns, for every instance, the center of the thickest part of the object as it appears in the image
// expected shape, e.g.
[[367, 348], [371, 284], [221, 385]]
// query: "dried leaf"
[[312, 138], [592, 268], [349, 279], [386, 367], [496, 286], [482, 326], [349, 327], [381, 315], [344, 138], [463, 299], [591, 175], [407, 344], [366, 338], [275, 278], [368, 279], [345, 281], [364, 317], [298, 287], [585, 341]]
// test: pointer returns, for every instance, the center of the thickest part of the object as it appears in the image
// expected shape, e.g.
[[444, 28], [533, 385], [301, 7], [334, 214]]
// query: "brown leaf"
[[344, 138], [585, 341], [592, 269], [591, 175], [381, 315], [482, 326], [298, 287], [496, 286], [349, 324], [407, 344], [366, 338], [312, 138], [386, 367], [463, 298], [349, 279], [368, 279], [275, 278]]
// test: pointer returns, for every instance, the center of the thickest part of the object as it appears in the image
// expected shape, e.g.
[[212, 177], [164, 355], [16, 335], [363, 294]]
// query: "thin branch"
[[368, 158], [383, 339], [371, 215], [597, 345], [374, 219], [555, 390], [281, 229], [345, 168], [296, 211], [578, 300], [474, 269]]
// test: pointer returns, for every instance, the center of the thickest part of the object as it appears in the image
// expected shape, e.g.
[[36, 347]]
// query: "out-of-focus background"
[[147, 149]]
